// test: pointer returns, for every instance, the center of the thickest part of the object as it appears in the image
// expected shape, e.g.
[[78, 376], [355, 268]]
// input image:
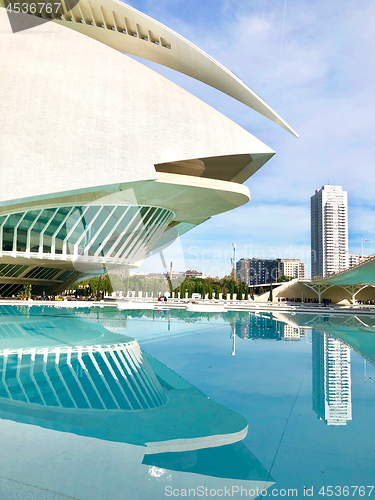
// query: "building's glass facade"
[[95, 232]]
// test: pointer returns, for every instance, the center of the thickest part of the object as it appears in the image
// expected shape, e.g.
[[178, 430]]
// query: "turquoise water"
[[106, 404]]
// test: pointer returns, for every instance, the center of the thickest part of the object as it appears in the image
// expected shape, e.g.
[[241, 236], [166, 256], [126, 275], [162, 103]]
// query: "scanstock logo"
[[26, 14]]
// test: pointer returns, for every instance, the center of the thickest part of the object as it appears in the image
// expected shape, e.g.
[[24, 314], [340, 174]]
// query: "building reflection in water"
[[331, 374], [331, 369], [333, 339], [97, 377], [69, 374], [266, 327], [332, 399]]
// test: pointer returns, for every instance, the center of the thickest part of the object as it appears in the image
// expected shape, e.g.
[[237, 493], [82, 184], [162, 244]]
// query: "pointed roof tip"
[[212, 73], [285, 126], [251, 99], [289, 129]]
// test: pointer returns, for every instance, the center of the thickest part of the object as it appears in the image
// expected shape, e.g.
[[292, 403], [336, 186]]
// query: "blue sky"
[[317, 71]]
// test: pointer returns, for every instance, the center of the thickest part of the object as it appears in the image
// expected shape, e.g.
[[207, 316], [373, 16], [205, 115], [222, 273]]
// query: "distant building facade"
[[262, 271], [355, 260], [192, 273], [258, 271], [329, 231], [175, 274], [292, 268]]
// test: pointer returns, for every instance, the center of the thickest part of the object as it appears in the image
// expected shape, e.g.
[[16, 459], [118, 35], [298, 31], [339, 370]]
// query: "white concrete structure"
[[329, 231], [103, 159]]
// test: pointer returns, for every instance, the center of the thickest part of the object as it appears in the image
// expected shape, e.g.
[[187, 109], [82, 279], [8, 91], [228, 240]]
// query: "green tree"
[[107, 285], [210, 286], [284, 278], [233, 275], [25, 294]]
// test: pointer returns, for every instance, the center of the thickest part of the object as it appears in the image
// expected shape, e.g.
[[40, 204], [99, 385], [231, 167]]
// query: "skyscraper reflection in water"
[[332, 399]]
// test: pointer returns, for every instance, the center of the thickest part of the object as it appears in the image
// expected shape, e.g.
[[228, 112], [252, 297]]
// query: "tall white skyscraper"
[[329, 231]]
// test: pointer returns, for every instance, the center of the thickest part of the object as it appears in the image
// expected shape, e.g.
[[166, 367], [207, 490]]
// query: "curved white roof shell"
[[124, 28], [79, 115]]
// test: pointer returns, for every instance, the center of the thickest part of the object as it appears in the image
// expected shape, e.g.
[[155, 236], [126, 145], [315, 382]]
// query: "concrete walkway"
[[204, 305]]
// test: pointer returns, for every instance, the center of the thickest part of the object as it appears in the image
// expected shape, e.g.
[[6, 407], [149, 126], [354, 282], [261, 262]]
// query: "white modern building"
[[332, 396], [292, 268], [103, 159], [329, 231], [356, 260]]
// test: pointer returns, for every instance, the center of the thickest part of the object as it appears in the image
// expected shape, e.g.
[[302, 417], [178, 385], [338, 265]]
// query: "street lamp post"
[[234, 261]]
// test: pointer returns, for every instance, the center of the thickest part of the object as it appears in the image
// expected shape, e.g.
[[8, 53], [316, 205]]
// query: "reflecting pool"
[[101, 403]]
